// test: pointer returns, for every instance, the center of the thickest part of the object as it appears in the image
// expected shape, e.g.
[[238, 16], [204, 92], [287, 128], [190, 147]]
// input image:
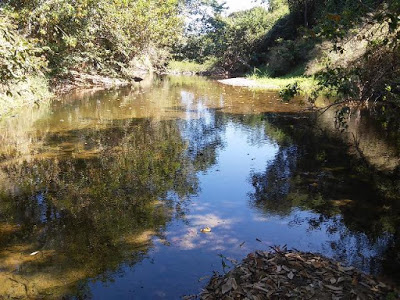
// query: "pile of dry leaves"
[[284, 274]]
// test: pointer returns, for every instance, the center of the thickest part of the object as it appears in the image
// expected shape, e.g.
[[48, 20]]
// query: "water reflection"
[[87, 213], [316, 172], [103, 193]]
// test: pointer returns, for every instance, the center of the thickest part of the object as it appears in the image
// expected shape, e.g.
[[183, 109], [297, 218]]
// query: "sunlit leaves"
[[18, 57], [88, 33]]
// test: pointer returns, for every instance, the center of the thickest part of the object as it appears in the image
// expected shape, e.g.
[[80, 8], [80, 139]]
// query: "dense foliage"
[[368, 72], [50, 38], [310, 37], [100, 35], [233, 41], [22, 69], [351, 47], [18, 57]]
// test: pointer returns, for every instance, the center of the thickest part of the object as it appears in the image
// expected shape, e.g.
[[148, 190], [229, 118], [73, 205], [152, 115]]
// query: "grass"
[[262, 78], [190, 66]]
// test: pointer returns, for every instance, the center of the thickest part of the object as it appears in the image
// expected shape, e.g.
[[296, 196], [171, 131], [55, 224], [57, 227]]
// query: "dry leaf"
[[229, 285], [334, 288], [259, 276]]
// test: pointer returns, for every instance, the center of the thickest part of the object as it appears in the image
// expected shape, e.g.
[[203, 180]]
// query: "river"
[[103, 193]]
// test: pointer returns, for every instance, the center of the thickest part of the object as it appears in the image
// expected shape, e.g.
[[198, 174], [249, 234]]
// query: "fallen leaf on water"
[[204, 277], [205, 229]]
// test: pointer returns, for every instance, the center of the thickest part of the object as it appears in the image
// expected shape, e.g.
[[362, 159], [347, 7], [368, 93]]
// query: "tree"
[[89, 34], [302, 7]]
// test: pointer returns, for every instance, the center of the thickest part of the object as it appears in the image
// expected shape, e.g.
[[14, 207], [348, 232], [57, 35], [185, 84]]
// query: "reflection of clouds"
[[219, 238], [260, 219], [210, 220], [202, 207]]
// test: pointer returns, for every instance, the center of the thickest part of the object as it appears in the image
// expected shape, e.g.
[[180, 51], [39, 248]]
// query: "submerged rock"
[[284, 274]]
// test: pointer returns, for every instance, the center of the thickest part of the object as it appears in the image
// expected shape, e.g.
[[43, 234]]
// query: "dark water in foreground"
[[103, 195]]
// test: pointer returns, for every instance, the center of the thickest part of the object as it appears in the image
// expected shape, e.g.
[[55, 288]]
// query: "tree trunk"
[[305, 14]]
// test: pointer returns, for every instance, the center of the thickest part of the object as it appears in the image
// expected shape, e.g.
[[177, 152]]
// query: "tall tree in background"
[[302, 7]]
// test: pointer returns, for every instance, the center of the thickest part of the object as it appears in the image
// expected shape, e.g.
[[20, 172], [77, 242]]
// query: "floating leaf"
[[205, 229]]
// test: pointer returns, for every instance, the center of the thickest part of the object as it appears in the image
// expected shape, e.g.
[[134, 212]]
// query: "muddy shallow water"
[[103, 194]]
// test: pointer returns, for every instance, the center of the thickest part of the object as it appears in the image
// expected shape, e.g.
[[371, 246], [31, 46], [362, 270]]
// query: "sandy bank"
[[244, 82]]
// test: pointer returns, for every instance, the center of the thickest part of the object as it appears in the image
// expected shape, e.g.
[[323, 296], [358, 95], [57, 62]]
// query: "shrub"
[[96, 35], [287, 54]]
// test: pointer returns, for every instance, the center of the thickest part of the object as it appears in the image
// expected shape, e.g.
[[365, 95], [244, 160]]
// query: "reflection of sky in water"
[[244, 179], [45, 212], [175, 268]]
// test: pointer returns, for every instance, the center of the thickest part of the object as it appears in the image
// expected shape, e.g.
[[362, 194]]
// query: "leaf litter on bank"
[[290, 274]]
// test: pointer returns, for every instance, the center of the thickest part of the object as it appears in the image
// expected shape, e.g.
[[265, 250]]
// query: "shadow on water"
[[103, 194], [314, 170], [86, 215]]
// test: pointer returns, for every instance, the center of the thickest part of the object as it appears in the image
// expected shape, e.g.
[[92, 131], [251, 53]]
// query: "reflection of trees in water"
[[104, 190], [88, 214], [273, 186], [313, 171], [204, 138], [379, 146]]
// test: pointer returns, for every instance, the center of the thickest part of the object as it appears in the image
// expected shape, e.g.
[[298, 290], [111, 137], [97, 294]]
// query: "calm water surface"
[[103, 194]]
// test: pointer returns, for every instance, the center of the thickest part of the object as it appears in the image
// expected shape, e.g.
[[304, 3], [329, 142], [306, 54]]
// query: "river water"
[[103, 193]]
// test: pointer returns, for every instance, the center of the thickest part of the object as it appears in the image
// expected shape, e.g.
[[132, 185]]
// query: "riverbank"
[[77, 80], [245, 82], [253, 81], [36, 91], [283, 274], [190, 68], [33, 91]]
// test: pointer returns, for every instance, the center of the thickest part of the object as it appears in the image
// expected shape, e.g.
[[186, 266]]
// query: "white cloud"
[[189, 237]]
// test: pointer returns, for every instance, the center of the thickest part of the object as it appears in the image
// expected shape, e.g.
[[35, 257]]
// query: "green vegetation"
[[100, 36], [305, 83], [184, 66], [233, 41], [22, 67], [347, 49], [54, 38]]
